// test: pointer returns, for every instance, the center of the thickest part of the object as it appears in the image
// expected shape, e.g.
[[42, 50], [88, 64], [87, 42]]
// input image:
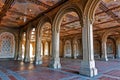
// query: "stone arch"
[[43, 20], [107, 33], [38, 51], [111, 45], [104, 40], [60, 14], [90, 8], [7, 45]]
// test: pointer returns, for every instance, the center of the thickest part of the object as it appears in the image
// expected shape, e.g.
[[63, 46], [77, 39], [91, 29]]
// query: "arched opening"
[[106, 17], [70, 29], [111, 45], [66, 26], [46, 40], [7, 45]]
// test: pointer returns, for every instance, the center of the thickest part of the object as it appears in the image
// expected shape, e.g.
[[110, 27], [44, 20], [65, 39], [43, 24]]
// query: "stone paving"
[[17, 70]]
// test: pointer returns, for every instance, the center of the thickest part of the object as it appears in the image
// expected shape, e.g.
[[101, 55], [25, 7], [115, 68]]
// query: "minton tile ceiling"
[[15, 13], [107, 15]]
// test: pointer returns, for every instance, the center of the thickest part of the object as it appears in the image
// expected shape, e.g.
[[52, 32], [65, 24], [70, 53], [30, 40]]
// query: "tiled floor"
[[16, 70]]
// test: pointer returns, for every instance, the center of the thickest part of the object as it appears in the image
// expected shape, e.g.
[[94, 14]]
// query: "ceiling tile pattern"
[[16, 13]]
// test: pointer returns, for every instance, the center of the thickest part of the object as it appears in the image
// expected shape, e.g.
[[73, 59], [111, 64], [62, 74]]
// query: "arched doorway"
[[46, 39], [7, 45]]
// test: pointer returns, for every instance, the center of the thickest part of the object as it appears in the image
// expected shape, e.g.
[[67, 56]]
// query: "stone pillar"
[[27, 48], [75, 48], [38, 57], [63, 46], [87, 66], [20, 49], [49, 48], [55, 61], [118, 48], [72, 51], [16, 49], [104, 51], [43, 49], [80, 48]]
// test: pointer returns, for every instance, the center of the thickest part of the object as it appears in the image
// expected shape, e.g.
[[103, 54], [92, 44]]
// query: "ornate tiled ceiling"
[[15, 13], [107, 15]]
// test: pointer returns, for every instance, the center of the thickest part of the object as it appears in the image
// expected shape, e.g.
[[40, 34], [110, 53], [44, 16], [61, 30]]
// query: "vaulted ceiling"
[[15, 13], [107, 16]]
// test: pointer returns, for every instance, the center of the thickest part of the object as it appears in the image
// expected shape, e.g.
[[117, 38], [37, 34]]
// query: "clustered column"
[[104, 51], [20, 48], [38, 58], [87, 66], [55, 62], [27, 48]]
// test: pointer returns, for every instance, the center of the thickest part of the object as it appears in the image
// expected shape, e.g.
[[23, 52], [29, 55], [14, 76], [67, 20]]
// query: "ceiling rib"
[[117, 7], [109, 12], [70, 22], [7, 5], [39, 3]]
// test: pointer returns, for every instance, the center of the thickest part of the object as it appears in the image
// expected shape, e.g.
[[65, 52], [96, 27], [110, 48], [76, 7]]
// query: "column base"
[[26, 60], [19, 58], [38, 62], [104, 59], [87, 68], [75, 57], [55, 63]]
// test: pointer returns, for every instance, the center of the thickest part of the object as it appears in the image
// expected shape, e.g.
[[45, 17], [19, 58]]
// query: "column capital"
[[88, 20]]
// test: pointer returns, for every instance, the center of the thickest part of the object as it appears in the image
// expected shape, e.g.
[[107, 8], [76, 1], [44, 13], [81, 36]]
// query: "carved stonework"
[[7, 45]]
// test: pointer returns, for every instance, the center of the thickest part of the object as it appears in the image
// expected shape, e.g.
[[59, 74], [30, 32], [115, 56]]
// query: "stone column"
[[87, 66], [63, 46], [43, 49], [49, 48], [16, 48], [55, 61], [75, 48], [20, 49], [118, 48], [38, 57], [80, 48], [104, 51], [27, 48], [72, 51]]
